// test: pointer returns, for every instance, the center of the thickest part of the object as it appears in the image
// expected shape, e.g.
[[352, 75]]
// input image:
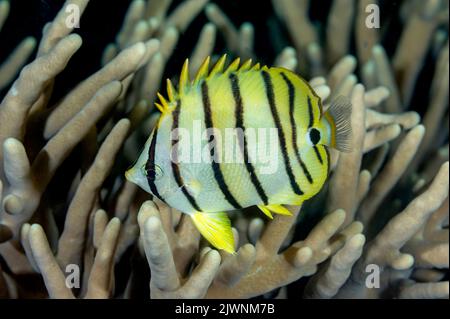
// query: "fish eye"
[[154, 173], [314, 136]]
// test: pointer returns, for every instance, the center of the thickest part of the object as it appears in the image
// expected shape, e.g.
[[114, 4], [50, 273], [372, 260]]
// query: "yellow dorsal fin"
[[216, 228], [170, 90], [233, 66], [184, 77], [163, 101], [265, 211], [279, 209], [203, 70], [218, 67], [255, 67], [247, 64], [160, 107]]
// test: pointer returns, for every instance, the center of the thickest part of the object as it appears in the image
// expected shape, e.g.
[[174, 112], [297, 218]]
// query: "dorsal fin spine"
[[256, 67], [233, 66], [203, 70], [170, 91], [203, 73], [218, 67], [163, 101], [184, 77], [160, 107], [246, 65]]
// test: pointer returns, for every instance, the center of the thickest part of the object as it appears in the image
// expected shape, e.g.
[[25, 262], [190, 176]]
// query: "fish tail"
[[338, 117]]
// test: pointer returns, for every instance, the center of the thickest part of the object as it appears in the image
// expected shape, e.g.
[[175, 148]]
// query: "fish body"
[[238, 137]]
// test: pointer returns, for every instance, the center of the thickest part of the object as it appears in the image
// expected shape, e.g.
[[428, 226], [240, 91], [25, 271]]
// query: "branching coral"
[[402, 232], [16, 60], [385, 204]]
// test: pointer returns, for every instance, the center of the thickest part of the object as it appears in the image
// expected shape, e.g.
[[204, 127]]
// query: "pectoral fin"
[[216, 228], [277, 209]]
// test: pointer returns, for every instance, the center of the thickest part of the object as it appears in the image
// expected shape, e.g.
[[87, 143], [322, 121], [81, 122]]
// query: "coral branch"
[[119, 68], [10, 68], [327, 283], [391, 173], [28, 87], [83, 201], [344, 182]]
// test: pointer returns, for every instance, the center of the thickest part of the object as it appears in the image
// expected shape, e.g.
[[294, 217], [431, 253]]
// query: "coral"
[[16, 60], [65, 202]]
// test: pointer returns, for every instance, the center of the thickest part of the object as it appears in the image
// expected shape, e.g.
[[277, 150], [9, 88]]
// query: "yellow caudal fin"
[[216, 228], [277, 209]]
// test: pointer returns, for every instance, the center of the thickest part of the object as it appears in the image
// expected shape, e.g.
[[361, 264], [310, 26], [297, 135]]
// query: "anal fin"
[[216, 228], [277, 209], [266, 211]]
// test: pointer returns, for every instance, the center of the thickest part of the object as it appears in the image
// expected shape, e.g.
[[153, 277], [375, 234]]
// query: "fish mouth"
[[129, 174], [134, 176]]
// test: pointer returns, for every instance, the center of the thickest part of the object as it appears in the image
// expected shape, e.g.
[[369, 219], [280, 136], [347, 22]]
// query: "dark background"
[[101, 22], [103, 18]]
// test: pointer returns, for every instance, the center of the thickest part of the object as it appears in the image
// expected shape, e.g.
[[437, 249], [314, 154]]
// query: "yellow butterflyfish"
[[241, 101]]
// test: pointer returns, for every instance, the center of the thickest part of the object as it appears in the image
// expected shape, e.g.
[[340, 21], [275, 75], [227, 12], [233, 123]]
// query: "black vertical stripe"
[[239, 114], [319, 157], [218, 175], [271, 98], [175, 168], [150, 166], [294, 127], [327, 152], [311, 113]]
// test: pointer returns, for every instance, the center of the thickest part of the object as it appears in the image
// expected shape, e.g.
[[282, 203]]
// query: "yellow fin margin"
[[170, 91], [233, 66], [256, 67], [203, 70], [160, 107], [216, 228], [163, 101], [265, 211], [218, 67], [204, 73], [277, 209], [184, 77], [246, 65]]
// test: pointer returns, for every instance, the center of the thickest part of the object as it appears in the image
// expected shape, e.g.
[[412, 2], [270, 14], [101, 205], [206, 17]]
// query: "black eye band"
[[314, 135], [154, 173]]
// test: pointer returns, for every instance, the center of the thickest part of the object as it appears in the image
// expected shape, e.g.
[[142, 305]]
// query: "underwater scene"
[[203, 149]]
